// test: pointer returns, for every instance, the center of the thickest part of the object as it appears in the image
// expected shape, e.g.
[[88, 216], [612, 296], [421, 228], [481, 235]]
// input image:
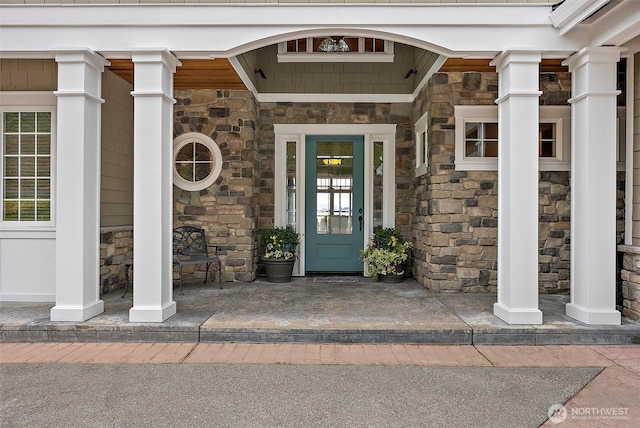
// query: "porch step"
[[622, 335], [435, 336], [626, 334], [70, 332]]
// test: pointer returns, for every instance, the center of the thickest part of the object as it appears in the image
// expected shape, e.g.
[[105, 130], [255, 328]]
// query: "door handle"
[[360, 220]]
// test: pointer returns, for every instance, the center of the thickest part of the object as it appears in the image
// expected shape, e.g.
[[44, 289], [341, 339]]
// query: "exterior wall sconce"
[[410, 72]]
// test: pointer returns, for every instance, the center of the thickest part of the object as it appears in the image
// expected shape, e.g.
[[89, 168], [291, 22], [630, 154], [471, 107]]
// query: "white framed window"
[[422, 145], [27, 129], [197, 161], [476, 138]]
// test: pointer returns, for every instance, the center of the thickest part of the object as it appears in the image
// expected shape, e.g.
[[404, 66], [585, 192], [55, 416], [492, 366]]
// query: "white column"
[[593, 186], [78, 185], [518, 112], [153, 186]]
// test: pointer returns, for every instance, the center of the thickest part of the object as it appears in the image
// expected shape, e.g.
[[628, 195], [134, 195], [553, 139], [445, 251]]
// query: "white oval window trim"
[[216, 155]]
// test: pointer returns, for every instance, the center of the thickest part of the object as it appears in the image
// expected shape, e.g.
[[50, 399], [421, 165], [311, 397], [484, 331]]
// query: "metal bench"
[[189, 248]]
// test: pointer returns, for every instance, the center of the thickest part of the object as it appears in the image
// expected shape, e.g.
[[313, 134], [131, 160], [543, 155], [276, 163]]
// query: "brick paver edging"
[[627, 356]]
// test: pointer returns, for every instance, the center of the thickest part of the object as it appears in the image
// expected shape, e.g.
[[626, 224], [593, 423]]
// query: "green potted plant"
[[386, 255], [280, 246]]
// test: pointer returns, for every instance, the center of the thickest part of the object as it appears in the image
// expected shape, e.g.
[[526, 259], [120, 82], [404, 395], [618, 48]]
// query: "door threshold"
[[317, 273]]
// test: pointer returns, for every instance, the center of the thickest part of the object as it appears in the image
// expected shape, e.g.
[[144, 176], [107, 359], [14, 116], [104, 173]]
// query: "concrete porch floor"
[[315, 312]]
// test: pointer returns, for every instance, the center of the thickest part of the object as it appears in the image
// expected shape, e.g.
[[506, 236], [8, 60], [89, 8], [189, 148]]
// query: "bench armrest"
[[213, 248]]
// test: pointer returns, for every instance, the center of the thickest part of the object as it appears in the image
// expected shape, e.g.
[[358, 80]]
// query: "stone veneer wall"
[[339, 113], [116, 246], [455, 223], [630, 281], [227, 210]]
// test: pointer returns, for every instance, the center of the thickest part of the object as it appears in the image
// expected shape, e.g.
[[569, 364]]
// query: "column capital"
[[518, 72], [156, 55], [82, 55], [508, 56], [606, 54]]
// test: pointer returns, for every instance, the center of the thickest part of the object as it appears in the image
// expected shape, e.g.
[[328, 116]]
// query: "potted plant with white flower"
[[386, 255], [280, 244]]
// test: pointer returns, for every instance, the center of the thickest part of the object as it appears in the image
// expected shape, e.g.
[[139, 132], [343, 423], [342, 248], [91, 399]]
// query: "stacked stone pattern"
[[227, 210], [456, 216]]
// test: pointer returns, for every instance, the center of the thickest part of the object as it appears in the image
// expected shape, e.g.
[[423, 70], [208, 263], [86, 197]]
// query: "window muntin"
[[27, 138], [197, 161], [194, 162]]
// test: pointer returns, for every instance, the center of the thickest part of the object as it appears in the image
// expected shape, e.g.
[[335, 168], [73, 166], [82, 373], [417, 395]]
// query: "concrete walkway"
[[288, 384], [307, 311]]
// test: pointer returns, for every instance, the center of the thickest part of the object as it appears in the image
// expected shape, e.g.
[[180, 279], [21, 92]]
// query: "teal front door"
[[334, 203]]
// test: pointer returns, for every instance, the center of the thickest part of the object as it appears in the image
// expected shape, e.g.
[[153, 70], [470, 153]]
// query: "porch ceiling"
[[193, 74], [219, 73]]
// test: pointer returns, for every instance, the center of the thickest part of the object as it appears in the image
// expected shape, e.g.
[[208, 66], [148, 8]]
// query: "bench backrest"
[[188, 240]]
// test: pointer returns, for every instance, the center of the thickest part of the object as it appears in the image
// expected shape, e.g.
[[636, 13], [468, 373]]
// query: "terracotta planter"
[[394, 278], [279, 270]]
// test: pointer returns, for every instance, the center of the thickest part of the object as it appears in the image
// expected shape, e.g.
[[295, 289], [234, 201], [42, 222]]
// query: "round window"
[[197, 161]]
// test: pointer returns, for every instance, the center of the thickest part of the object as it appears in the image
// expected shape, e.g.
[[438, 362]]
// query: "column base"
[[587, 316], [152, 314], [75, 313], [517, 316]]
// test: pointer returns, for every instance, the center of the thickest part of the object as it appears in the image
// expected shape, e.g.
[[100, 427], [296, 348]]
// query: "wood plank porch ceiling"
[[219, 74], [193, 74]]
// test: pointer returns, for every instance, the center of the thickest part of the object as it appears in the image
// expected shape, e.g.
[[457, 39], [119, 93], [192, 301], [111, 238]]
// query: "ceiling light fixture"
[[331, 45]]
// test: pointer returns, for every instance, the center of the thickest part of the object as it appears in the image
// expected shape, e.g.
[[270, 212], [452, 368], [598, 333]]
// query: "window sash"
[[27, 165], [554, 158], [422, 144], [486, 146]]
